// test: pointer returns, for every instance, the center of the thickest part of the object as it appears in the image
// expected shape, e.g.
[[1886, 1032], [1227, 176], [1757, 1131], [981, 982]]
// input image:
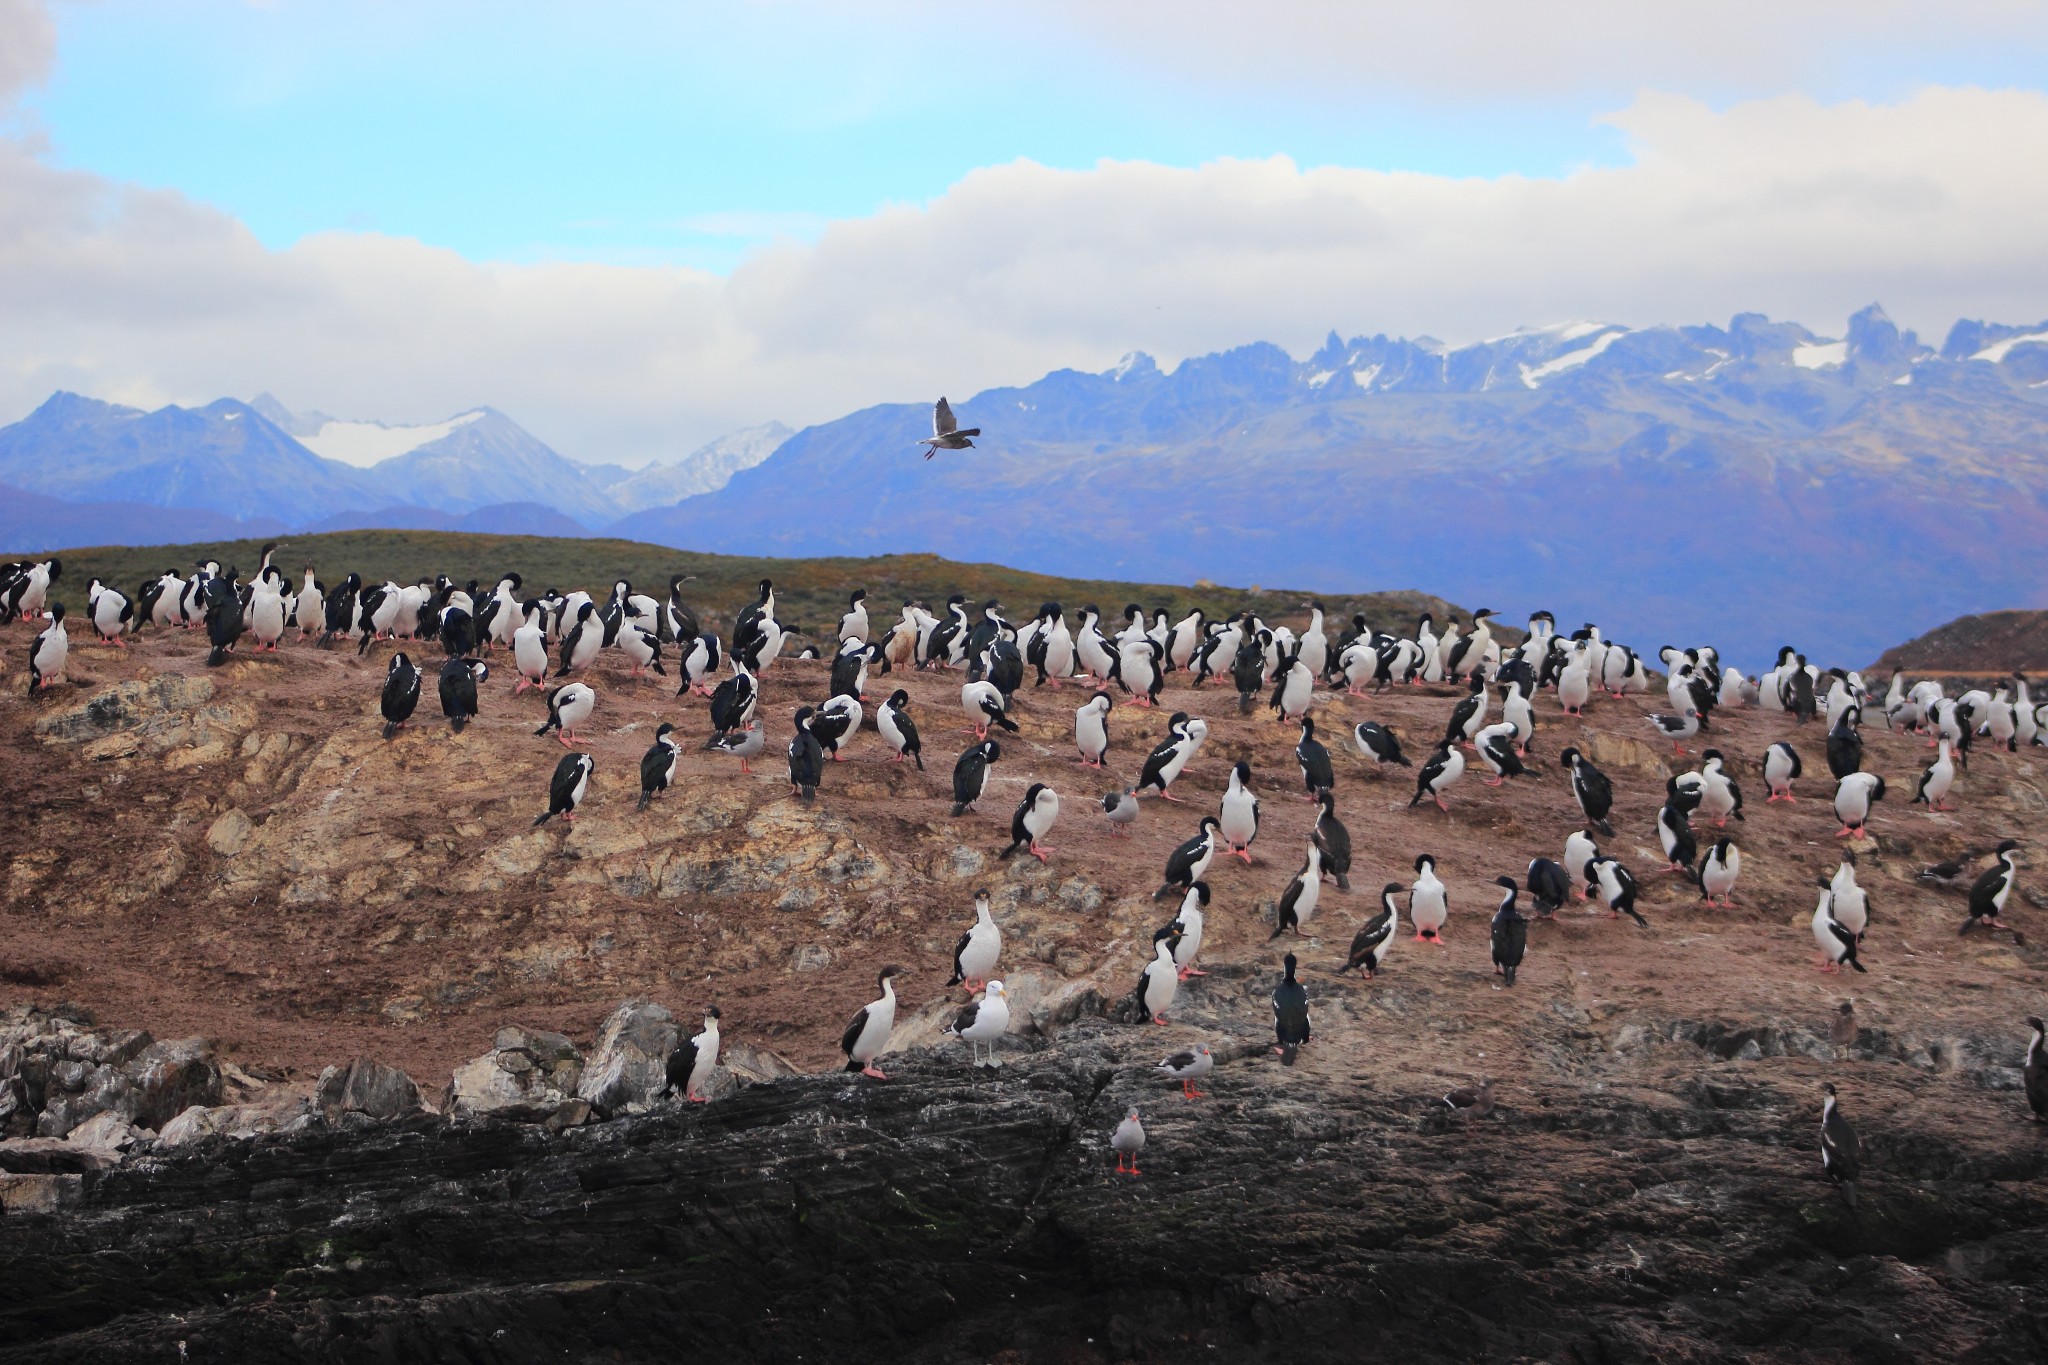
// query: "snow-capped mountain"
[[1725, 483], [704, 470]]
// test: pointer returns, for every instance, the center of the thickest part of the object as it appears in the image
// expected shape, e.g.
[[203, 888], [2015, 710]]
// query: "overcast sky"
[[635, 226]]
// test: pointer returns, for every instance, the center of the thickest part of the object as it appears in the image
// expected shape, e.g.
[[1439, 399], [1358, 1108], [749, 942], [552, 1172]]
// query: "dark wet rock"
[[958, 1215]]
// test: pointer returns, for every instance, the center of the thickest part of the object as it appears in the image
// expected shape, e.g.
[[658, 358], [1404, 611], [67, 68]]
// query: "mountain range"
[[1747, 485], [260, 463]]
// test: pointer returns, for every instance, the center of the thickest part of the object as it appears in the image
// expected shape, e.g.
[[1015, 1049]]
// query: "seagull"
[[946, 432], [1187, 1068]]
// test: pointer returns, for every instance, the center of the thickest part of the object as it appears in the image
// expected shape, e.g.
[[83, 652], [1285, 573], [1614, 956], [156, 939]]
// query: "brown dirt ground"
[[393, 899]]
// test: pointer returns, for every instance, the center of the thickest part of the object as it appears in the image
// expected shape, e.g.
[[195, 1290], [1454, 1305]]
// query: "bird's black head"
[[1508, 882], [1706, 754], [1243, 771], [2007, 846], [1308, 728], [711, 1012], [1201, 890], [1210, 822], [990, 750], [56, 610], [803, 716], [2034, 1023], [1425, 860], [1827, 1088], [891, 970], [899, 698], [663, 729]]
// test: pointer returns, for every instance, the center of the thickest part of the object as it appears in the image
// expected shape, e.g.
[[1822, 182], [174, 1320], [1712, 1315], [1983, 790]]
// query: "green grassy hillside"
[[811, 592]]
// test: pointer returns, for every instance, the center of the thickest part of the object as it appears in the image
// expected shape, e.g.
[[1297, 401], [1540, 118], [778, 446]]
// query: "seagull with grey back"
[[946, 432]]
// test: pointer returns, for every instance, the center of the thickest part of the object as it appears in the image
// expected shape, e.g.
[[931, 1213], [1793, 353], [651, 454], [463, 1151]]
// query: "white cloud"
[[28, 46], [1786, 205], [1488, 50]]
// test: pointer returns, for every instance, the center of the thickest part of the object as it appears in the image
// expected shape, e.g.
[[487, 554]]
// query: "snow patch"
[[1820, 357], [1905, 378], [1320, 378], [1997, 352], [1363, 378], [1532, 376], [364, 444]]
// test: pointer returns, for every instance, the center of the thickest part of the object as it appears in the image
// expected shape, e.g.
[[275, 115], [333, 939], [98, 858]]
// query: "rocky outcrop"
[[530, 1075], [952, 1215], [366, 1087], [629, 1070], [57, 1073]]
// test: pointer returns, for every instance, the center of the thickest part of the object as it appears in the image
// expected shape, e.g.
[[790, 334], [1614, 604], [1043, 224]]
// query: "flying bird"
[[946, 432]]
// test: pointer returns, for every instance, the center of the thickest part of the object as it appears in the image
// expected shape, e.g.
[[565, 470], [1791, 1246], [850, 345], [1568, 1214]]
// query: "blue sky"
[[636, 226], [685, 134]]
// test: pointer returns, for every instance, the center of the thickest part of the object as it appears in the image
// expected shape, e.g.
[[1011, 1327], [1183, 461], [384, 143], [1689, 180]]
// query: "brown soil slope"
[[237, 852]]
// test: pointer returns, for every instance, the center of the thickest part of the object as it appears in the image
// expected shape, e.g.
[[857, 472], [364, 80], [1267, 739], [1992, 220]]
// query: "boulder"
[[238, 1120], [53, 1156], [367, 1087], [629, 1070], [106, 1132], [529, 1077], [168, 1079]]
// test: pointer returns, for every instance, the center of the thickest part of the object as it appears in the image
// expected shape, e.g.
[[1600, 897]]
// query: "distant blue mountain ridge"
[[1746, 485]]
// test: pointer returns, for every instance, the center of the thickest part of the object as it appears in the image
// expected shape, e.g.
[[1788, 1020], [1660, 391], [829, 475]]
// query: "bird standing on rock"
[[1185, 931], [1091, 728], [1238, 816], [1186, 864], [401, 693], [460, 679], [1122, 810], [1591, 789], [690, 1066], [1033, 820], [1839, 1158], [1187, 1068], [970, 775], [1159, 982], [1781, 767], [1333, 841], [1510, 938], [565, 792], [982, 1022], [658, 765], [2034, 1070], [806, 757], [1989, 893], [1290, 1014], [898, 730], [1298, 901], [867, 1037], [975, 956], [1474, 1100], [1445, 767], [1375, 939], [1853, 800], [568, 707], [1127, 1142], [1428, 906]]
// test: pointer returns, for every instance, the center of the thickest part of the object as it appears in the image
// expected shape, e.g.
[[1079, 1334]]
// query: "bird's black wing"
[[853, 1031]]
